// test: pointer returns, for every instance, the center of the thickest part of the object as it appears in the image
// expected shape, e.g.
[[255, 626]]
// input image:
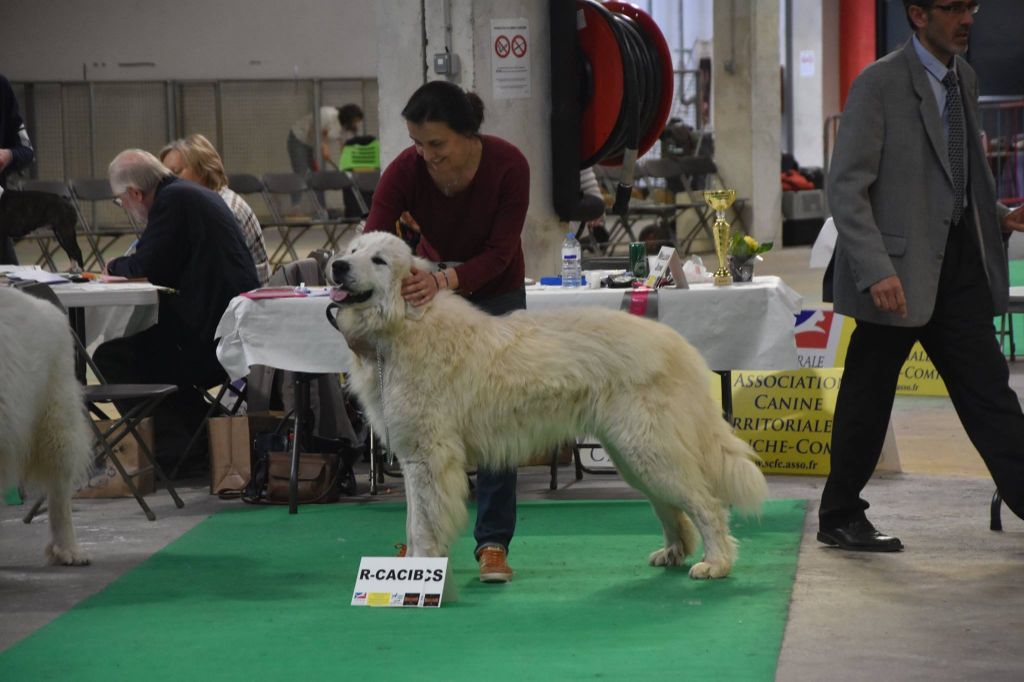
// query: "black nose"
[[338, 270]]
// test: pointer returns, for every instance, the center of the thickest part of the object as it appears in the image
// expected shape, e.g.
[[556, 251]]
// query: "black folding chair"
[[143, 398], [105, 223], [292, 221], [246, 185], [336, 224], [366, 183]]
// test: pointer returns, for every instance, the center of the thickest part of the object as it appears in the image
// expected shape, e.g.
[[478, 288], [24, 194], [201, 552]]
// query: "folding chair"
[[667, 172], [144, 399], [293, 222], [245, 185], [251, 187], [366, 183], [335, 224], [621, 230], [99, 195]]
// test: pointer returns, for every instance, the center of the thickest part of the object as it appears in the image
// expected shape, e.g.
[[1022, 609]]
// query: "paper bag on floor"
[[231, 449], [106, 481]]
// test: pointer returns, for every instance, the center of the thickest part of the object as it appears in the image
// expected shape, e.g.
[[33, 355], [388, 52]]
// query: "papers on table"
[[32, 273], [286, 292]]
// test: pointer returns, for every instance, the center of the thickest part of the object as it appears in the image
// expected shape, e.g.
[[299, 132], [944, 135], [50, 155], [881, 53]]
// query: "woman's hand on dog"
[[420, 287]]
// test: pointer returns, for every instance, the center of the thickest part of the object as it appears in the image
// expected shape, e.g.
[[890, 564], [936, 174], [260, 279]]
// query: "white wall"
[[187, 39]]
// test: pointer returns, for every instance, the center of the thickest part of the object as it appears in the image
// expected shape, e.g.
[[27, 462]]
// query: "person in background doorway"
[[337, 124]]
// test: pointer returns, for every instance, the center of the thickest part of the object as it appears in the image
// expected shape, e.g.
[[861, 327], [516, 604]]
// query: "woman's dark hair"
[[348, 115], [444, 102]]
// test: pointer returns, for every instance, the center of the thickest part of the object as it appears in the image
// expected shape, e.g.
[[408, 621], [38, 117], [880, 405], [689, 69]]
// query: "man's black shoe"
[[859, 536]]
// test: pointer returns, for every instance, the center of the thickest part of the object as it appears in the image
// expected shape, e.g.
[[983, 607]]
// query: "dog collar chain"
[[383, 414]]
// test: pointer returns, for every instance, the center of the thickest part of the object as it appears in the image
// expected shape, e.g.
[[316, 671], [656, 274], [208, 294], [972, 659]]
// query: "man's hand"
[[888, 296], [6, 156], [1014, 220]]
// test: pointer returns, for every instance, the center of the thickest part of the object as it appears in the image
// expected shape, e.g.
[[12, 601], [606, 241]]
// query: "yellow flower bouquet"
[[743, 249]]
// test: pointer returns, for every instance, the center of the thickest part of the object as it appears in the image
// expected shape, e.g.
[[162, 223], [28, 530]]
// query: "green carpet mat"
[[253, 594]]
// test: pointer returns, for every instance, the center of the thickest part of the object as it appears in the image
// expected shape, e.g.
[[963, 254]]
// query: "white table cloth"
[[112, 310], [286, 333], [744, 326]]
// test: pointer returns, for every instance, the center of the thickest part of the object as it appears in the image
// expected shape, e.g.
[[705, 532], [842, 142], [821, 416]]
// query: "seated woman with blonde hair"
[[195, 158]]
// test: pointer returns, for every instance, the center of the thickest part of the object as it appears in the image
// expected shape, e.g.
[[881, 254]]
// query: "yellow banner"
[[822, 338], [786, 417], [919, 376]]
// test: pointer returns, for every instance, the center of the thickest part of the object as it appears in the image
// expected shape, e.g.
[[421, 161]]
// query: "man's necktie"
[[955, 143]]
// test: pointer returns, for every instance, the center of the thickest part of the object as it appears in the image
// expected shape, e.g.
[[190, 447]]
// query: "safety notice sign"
[[510, 58]]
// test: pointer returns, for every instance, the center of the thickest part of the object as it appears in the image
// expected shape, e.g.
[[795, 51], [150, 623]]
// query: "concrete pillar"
[[408, 38], [830, 57], [746, 96], [806, 79]]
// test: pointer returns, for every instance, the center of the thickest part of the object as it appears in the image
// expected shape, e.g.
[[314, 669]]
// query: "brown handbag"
[[318, 477]]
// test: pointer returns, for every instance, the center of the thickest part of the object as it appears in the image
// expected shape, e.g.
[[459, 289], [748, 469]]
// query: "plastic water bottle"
[[572, 275]]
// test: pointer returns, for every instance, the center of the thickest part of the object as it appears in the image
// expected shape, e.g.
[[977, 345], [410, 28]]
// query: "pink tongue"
[[338, 295]]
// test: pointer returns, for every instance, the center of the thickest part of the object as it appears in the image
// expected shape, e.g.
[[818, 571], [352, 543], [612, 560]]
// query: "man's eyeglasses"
[[118, 201], [958, 8]]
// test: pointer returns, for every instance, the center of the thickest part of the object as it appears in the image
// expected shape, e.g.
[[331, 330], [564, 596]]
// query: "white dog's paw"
[[667, 556], [66, 557], [702, 570]]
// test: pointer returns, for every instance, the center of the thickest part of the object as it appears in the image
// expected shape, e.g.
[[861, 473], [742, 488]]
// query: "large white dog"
[[464, 389], [44, 438]]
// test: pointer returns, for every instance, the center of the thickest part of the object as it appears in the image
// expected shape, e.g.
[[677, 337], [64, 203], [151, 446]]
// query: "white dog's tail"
[[741, 483]]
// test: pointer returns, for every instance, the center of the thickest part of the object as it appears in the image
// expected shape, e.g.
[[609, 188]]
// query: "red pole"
[[856, 41]]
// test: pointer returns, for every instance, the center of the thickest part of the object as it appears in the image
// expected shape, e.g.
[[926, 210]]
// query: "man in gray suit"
[[920, 257]]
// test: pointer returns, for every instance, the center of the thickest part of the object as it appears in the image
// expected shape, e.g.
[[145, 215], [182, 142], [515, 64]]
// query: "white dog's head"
[[367, 283]]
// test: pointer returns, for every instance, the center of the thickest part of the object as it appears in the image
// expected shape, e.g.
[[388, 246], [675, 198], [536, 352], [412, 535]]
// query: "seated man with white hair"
[[191, 244]]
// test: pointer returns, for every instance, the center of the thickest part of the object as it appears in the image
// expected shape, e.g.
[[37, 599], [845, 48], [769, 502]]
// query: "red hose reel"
[[604, 72]]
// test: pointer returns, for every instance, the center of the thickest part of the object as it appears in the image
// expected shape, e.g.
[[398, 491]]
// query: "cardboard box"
[[105, 481], [804, 205]]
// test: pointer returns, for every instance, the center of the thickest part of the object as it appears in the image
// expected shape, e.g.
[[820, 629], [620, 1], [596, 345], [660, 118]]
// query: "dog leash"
[[380, 381], [383, 414]]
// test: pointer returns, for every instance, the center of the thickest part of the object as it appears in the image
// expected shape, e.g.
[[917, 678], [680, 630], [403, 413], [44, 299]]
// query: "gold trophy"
[[721, 199]]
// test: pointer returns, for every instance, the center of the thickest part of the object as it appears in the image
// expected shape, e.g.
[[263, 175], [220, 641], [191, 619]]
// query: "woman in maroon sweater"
[[466, 194]]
